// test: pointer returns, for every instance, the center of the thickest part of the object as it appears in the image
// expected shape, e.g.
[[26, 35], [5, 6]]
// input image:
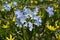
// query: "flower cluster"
[[7, 6], [50, 11], [23, 16]]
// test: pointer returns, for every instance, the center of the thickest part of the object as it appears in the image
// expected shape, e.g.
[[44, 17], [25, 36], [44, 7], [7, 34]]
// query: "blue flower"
[[27, 11], [21, 17], [19, 24], [37, 23], [30, 13], [50, 11], [29, 24], [51, 14], [18, 14], [37, 20], [22, 21]]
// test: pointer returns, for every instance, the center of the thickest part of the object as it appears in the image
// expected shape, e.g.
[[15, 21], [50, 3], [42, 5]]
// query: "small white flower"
[[14, 4], [30, 28], [7, 7], [30, 25]]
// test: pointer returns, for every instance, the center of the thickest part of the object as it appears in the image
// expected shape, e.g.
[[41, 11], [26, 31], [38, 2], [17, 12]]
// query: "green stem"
[[23, 33]]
